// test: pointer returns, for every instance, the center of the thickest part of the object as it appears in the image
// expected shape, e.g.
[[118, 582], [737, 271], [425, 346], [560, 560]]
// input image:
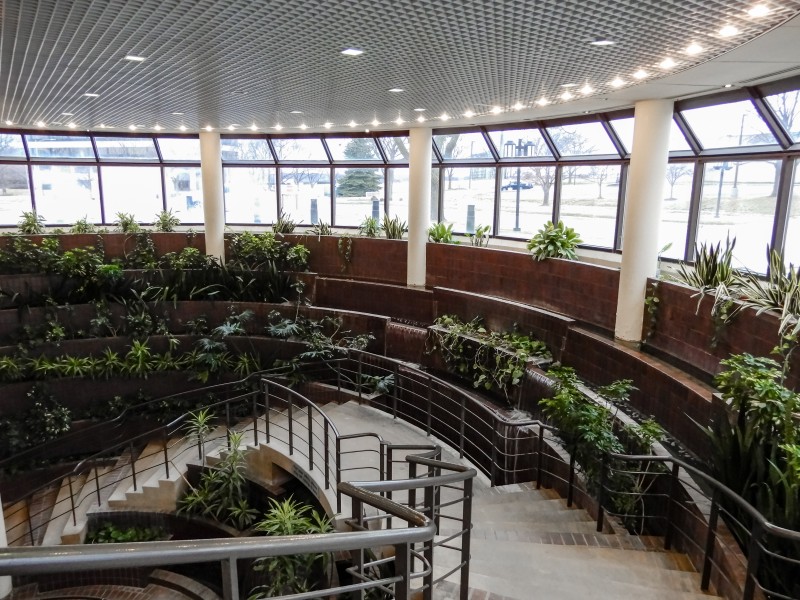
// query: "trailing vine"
[[345, 248], [651, 304]]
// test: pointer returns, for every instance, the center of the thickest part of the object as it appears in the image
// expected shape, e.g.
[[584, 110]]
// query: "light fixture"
[[366, 131], [134, 58], [618, 82], [352, 52], [352, 123], [640, 74], [728, 31], [67, 114], [420, 119], [543, 101], [327, 125], [101, 126], [9, 122], [568, 85], [693, 48], [278, 127], [496, 110], [375, 122], [208, 128], [41, 124], [518, 106], [396, 90], [295, 112], [182, 127], [667, 63], [587, 89], [253, 127], [567, 96], [602, 42], [399, 120], [727, 85], [132, 127], [88, 95], [158, 127], [177, 113], [419, 109], [231, 128], [444, 116], [71, 125], [469, 114], [759, 10], [303, 126]]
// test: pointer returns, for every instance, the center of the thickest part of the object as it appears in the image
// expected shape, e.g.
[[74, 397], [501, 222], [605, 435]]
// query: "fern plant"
[[555, 241]]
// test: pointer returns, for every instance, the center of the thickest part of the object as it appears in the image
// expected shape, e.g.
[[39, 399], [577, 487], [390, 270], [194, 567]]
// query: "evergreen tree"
[[359, 182]]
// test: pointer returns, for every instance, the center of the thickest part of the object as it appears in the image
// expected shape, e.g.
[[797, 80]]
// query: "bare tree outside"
[[674, 173]]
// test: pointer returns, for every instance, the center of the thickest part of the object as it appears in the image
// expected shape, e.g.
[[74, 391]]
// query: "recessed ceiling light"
[[67, 114], [182, 127], [602, 42], [399, 120], [366, 131], [728, 31], [496, 110], [71, 125], [239, 92], [208, 128], [92, 95], [667, 63], [567, 96], [231, 128], [396, 90], [101, 126], [727, 85], [352, 123], [303, 126], [543, 101], [640, 74], [253, 127], [693, 48], [57, 123], [518, 106], [420, 119], [327, 125], [469, 114], [132, 127], [9, 122], [177, 113], [295, 112], [41, 124], [759, 10], [568, 85], [587, 89], [352, 52], [444, 116], [617, 82], [134, 58], [158, 128], [375, 122], [419, 109], [278, 127]]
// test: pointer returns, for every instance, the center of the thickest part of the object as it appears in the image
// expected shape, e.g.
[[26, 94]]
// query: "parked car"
[[512, 185]]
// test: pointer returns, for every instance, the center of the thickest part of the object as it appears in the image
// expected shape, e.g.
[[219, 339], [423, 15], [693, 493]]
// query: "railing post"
[[754, 552], [466, 525], [493, 469], [601, 495], [338, 379], [230, 579], [266, 409], [710, 540], [30, 520], [166, 451], [412, 493], [290, 412], [360, 369], [310, 438], [394, 390], [671, 501], [97, 483], [540, 457], [430, 404], [462, 419], [327, 456], [255, 419], [133, 466], [430, 502], [402, 567], [72, 500], [228, 424], [571, 484], [338, 473]]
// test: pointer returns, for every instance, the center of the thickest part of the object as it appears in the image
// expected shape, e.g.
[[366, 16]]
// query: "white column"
[[419, 202], [648, 168], [5, 582], [213, 200]]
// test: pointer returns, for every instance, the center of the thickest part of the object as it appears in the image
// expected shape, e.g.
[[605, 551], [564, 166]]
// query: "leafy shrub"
[[370, 227], [393, 228], [554, 241], [83, 226], [440, 233], [126, 223], [166, 221], [283, 224], [31, 223], [109, 533]]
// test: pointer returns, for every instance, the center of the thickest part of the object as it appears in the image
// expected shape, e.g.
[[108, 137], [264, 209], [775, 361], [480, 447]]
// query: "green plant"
[[295, 573], [166, 221], [83, 226], [321, 229], [440, 233], [126, 223], [370, 227], [109, 533], [393, 228], [283, 224], [31, 223], [555, 241], [481, 236], [344, 246], [198, 426], [651, 303]]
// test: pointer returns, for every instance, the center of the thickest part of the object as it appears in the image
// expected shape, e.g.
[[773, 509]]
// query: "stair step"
[[75, 529]]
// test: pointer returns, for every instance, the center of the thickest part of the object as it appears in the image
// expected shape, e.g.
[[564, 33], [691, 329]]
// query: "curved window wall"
[[733, 172]]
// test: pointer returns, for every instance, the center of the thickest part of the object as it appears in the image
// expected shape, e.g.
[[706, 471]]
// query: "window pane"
[[126, 148], [15, 196], [526, 200], [59, 146], [589, 202], [246, 149], [306, 195], [675, 210], [132, 190], [468, 197], [460, 146], [792, 250], [520, 142], [583, 139], [179, 148], [624, 130], [359, 194], [353, 149], [395, 148], [677, 142], [436, 184], [299, 149], [786, 107], [11, 146], [739, 201], [250, 195], [397, 193], [728, 126], [185, 193], [66, 193]]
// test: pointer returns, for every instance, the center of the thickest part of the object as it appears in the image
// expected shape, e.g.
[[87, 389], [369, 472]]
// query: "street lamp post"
[[520, 149], [735, 189], [721, 168]]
